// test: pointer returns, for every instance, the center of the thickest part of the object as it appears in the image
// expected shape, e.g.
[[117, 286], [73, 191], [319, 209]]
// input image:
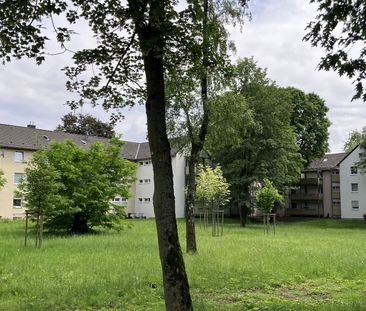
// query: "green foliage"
[[310, 123], [41, 187], [2, 179], [86, 125], [257, 141], [354, 139], [211, 185], [74, 186], [339, 29], [268, 196]]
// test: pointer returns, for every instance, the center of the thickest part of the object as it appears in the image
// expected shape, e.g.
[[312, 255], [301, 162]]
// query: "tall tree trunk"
[[151, 37], [197, 145], [190, 201], [243, 215]]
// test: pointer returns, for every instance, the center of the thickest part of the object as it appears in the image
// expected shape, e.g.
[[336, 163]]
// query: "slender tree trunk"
[[197, 145], [243, 215], [190, 202], [151, 39]]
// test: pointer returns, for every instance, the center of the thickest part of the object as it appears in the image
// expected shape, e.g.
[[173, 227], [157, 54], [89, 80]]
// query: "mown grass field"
[[311, 265]]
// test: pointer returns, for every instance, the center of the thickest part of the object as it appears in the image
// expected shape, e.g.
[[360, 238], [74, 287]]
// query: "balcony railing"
[[311, 181], [306, 197]]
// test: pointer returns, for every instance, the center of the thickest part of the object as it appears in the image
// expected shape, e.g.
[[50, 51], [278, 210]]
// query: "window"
[[335, 187], [354, 187], [141, 163], [335, 172], [117, 199], [140, 200], [306, 204], [17, 203], [147, 162], [353, 170], [141, 181], [123, 199], [336, 204], [361, 154], [293, 205], [147, 200], [19, 156], [18, 178], [355, 205], [147, 181]]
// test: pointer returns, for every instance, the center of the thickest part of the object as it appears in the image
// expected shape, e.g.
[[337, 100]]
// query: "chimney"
[[31, 125]]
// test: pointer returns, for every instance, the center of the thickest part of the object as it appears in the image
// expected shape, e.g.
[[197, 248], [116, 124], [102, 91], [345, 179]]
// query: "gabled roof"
[[349, 154], [30, 138], [327, 162]]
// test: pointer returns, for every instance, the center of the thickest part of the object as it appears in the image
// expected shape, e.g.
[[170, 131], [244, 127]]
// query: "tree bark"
[[243, 215], [151, 39], [190, 202], [197, 144]]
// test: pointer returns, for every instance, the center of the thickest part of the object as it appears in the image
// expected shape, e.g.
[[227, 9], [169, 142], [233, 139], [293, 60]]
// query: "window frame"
[[17, 206], [355, 208], [355, 171], [18, 152], [356, 186], [15, 181]]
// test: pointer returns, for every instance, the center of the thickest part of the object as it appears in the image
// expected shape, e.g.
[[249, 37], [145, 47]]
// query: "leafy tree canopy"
[[74, 187], [267, 196], [86, 125], [339, 29], [310, 122], [211, 185], [354, 138]]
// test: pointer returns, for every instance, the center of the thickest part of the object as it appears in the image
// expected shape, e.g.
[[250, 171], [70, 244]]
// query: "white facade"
[[141, 202], [353, 186]]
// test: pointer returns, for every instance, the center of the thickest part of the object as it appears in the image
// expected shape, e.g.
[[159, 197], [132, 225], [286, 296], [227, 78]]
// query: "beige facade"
[[12, 163], [17, 144], [318, 191]]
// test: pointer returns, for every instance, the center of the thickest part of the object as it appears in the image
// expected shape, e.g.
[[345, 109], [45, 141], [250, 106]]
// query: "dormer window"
[[83, 142], [45, 137]]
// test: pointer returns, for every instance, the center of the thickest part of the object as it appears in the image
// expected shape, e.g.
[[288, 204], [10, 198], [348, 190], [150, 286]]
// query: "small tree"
[[211, 185], [267, 196], [2, 179], [73, 187]]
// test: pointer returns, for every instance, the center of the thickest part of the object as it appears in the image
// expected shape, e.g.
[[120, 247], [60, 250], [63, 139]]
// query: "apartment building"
[[353, 185], [318, 192], [17, 145]]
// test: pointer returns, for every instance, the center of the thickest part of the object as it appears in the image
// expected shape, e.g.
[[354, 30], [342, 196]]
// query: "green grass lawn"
[[310, 265]]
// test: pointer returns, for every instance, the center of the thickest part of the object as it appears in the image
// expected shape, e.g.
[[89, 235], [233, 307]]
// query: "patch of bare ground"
[[305, 292]]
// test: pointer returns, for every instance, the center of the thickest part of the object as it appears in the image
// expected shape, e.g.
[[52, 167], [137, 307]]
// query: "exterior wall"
[[145, 191], [307, 199], [179, 175], [347, 195], [141, 201], [327, 193], [10, 167]]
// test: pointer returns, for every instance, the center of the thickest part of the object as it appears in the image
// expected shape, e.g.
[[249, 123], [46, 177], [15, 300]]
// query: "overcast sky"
[[31, 93]]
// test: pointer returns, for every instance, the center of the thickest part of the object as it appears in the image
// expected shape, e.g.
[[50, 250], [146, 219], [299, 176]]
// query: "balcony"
[[310, 212], [311, 181], [306, 197], [335, 178], [336, 195]]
